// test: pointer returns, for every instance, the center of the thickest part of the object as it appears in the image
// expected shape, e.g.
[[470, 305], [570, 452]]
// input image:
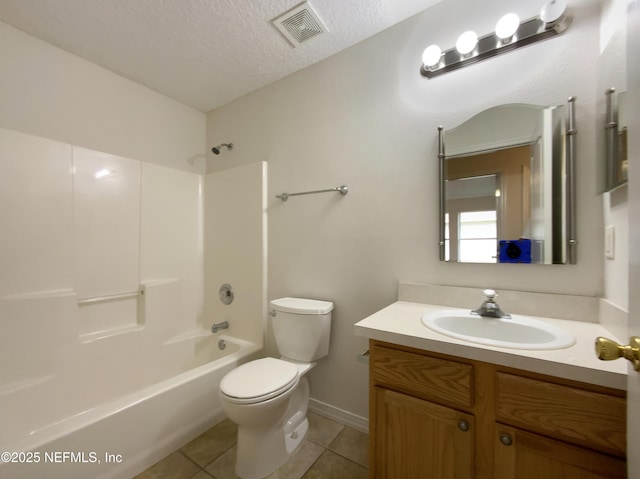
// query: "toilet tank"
[[301, 327]]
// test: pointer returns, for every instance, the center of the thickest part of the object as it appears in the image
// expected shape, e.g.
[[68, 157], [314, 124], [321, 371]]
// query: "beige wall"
[[366, 118], [47, 92]]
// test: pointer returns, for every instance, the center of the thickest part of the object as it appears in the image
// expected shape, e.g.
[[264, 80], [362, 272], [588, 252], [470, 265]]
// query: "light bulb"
[[431, 56], [466, 42], [553, 10], [507, 26]]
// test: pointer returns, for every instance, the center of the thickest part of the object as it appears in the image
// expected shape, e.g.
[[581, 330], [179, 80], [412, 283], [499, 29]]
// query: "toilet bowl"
[[268, 398]]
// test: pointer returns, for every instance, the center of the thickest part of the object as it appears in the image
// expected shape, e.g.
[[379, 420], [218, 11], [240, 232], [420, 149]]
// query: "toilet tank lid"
[[302, 306]]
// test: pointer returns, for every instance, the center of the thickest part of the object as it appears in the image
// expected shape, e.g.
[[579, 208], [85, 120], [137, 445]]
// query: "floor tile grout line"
[[201, 469], [324, 449], [220, 455], [333, 452], [347, 458], [332, 439]]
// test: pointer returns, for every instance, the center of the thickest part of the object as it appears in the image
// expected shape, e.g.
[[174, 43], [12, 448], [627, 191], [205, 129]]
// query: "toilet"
[[268, 398]]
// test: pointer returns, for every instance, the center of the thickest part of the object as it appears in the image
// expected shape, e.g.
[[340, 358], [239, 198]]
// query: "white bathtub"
[[110, 421]]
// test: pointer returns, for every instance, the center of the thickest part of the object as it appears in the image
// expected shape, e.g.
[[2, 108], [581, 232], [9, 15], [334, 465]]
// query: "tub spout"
[[218, 326]]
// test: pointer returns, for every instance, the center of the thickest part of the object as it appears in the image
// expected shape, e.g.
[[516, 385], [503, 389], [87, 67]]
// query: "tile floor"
[[331, 450]]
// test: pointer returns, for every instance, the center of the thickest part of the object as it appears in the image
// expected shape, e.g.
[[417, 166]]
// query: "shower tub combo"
[[113, 419], [105, 362]]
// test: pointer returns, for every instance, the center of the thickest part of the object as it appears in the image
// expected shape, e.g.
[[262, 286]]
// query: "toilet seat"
[[259, 380]]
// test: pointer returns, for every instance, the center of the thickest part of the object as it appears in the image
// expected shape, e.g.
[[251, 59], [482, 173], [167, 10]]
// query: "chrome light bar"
[[489, 46]]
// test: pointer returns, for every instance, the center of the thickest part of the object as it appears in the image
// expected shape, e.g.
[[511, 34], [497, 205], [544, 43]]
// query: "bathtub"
[[113, 421]]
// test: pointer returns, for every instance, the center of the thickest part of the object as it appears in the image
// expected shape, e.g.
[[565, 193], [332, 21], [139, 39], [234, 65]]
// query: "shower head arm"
[[216, 149]]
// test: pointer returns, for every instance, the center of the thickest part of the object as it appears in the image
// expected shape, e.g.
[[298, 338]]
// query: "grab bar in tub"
[[110, 297]]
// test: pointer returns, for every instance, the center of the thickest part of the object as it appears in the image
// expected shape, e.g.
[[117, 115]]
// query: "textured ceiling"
[[203, 53]]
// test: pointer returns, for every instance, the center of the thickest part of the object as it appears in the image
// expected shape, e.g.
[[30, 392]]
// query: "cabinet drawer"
[[574, 415], [437, 379]]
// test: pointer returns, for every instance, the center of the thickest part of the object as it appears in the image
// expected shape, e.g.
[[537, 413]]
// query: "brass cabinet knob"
[[607, 350]]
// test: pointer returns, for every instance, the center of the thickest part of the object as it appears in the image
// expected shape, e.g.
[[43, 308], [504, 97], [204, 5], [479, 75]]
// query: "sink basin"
[[517, 332]]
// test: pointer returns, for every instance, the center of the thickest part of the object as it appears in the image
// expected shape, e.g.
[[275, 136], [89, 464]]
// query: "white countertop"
[[400, 323]]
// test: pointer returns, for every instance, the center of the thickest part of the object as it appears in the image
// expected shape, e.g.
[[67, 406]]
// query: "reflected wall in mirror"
[[616, 139], [503, 188]]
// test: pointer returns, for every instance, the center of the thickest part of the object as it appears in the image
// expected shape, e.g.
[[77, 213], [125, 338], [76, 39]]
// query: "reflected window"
[[447, 241], [478, 236]]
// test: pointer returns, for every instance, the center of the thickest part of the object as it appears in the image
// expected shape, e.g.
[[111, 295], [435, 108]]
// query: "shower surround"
[[104, 340]]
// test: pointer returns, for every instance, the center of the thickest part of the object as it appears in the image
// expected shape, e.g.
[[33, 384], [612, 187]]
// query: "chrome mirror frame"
[[613, 176], [570, 187]]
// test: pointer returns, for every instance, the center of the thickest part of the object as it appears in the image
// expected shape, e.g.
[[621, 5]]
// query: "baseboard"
[[347, 418]]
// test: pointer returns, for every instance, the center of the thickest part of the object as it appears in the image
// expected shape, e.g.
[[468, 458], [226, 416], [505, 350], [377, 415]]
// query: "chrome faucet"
[[218, 326], [489, 308]]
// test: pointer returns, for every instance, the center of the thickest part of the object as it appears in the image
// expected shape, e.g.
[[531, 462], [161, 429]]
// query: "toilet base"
[[294, 440], [255, 461], [261, 451]]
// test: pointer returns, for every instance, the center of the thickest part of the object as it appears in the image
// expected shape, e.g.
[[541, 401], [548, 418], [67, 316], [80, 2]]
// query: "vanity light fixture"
[[431, 56], [553, 11], [510, 34], [466, 44], [507, 26]]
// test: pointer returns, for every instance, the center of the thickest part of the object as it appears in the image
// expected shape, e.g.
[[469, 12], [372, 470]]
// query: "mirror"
[[616, 139], [506, 194]]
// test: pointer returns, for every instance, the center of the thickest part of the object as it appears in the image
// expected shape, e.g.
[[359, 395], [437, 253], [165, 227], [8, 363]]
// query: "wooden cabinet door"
[[417, 439], [523, 455]]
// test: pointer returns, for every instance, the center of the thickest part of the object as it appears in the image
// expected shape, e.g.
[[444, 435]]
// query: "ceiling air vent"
[[300, 24]]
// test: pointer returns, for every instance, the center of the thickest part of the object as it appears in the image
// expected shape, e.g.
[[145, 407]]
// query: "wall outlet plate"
[[610, 242]]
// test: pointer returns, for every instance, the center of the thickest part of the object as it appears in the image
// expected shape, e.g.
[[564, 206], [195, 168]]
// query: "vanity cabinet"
[[418, 438], [420, 423], [439, 417]]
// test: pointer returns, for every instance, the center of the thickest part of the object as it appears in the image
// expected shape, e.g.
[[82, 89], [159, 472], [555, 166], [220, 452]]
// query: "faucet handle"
[[490, 294]]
